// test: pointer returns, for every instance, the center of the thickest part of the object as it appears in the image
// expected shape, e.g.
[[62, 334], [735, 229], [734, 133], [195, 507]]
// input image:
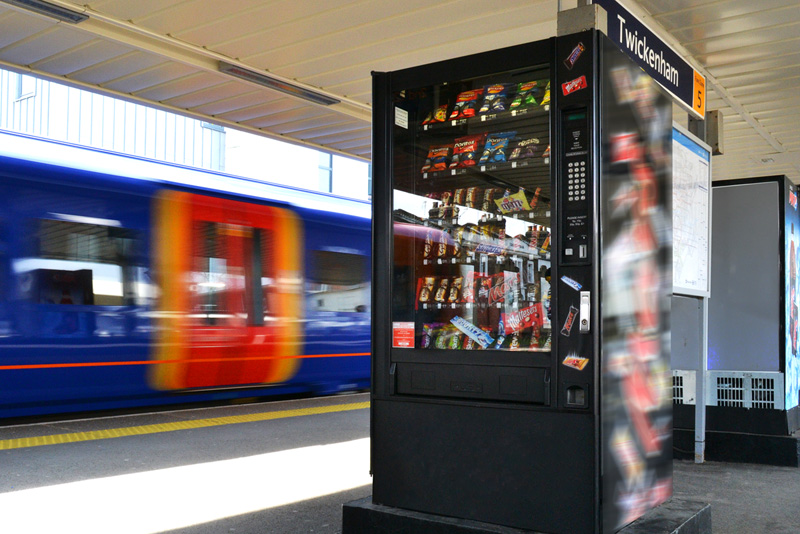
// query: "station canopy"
[[299, 70]]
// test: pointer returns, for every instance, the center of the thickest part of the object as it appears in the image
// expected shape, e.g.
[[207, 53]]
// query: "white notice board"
[[691, 214]]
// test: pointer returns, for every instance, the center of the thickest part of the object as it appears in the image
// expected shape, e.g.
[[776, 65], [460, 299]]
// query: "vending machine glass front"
[[472, 193]]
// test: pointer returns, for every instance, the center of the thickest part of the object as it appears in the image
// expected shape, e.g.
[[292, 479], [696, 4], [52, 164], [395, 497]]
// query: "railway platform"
[[280, 467]]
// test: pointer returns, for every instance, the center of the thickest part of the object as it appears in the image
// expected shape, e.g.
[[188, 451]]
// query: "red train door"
[[230, 275]]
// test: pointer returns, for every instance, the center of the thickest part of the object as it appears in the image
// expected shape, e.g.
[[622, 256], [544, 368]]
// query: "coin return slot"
[[576, 396]]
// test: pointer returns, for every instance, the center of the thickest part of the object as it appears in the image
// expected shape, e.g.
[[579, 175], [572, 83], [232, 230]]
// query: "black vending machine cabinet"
[[521, 268]]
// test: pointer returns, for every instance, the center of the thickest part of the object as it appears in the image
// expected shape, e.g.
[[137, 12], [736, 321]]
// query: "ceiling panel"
[[18, 26], [167, 52], [219, 107], [208, 93], [117, 67], [155, 75], [53, 40], [81, 57], [181, 86]]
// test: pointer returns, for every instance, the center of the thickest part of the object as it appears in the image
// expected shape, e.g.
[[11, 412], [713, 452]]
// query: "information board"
[[691, 214]]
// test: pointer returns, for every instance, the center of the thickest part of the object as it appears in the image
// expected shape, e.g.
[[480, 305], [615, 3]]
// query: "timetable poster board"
[[691, 214]]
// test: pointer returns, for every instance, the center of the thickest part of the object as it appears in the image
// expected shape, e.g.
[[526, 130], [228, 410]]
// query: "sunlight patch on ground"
[[165, 499]]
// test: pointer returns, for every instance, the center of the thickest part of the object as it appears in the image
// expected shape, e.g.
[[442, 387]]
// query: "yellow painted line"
[[56, 439]]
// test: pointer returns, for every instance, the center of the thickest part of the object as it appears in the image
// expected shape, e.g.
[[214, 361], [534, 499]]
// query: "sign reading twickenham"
[[660, 61]]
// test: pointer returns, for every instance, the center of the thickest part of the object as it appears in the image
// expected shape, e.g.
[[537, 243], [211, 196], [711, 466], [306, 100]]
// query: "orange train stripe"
[[155, 362]]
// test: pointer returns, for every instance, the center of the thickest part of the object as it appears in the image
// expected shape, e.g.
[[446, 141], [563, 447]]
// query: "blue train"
[[127, 283]]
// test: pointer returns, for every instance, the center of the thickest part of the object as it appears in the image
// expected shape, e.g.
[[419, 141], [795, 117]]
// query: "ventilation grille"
[[677, 389], [738, 389], [730, 391], [763, 393], [733, 389], [683, 386]]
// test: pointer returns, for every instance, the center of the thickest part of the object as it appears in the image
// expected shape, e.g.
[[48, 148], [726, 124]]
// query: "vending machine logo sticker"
[[793, 198], [575, 85], [571, 283], [576, 362], [574, 55], [570, 322]]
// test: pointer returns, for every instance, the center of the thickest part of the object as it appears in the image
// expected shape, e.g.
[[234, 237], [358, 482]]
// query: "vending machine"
[[522, 263]]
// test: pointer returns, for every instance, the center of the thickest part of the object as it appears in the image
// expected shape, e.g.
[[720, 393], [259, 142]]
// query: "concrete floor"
[[223, 478]]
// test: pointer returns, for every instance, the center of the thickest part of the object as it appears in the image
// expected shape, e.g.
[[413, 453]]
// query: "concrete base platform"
[[362, 517], [740, 447]]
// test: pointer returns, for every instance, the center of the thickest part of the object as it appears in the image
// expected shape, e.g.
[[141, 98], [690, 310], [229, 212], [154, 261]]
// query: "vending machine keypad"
[[576, 188], [576, 180]]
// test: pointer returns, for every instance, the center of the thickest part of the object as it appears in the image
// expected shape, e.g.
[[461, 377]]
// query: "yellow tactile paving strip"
[[75, 437]]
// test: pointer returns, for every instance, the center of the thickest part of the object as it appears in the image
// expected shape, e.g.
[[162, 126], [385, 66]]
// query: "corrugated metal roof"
[[166, 53]]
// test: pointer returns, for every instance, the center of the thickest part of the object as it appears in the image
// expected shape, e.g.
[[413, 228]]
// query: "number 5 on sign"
[[699, 100]]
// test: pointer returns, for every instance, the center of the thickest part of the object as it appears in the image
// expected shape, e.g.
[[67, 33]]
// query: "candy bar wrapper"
[[473, 199], [570, 321], [441, 292], [483, 284], [470, 237], [532, 316], [488, 248], [466, 104], [489, 196], [576, 362], [427, 288], [428, 248], [455, 289], [456, 241], [473, 332], [468, 283], [505, 288], [470, 344], [443, 246], [513, 203]]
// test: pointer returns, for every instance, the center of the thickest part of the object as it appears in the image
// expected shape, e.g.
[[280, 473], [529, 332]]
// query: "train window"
[[260, 277], [83, 264], [232, 277], [337, 282], [211, 278]]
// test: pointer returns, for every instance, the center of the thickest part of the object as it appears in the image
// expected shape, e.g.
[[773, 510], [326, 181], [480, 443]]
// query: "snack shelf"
[[489, 172], [532, 116]]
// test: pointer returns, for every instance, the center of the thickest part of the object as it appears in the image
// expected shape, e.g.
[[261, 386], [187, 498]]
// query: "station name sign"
[[657, 58]]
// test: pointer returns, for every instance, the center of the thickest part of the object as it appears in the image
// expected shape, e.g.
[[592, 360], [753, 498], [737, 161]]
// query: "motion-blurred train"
[[126, 283]]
